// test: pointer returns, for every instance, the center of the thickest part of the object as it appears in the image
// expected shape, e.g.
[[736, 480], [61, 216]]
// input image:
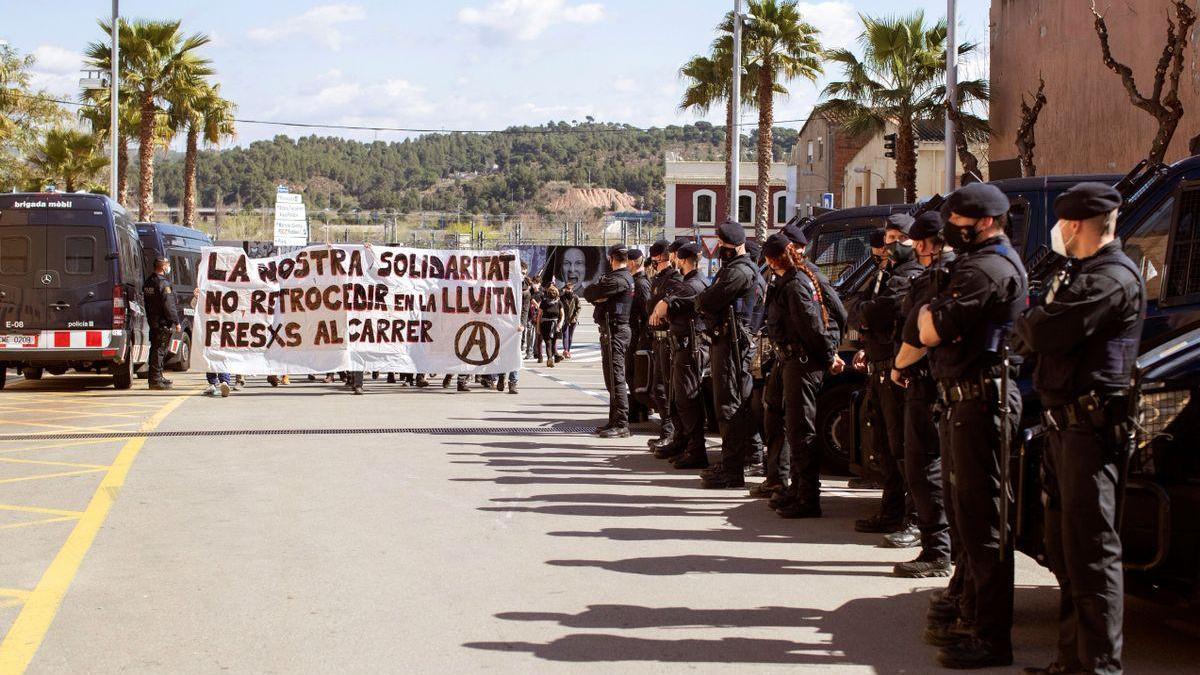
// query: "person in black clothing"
[[878, 320], [536, 293], [570, 303], [550, 324], [612, 296], [967, 328], [688, 359], [1086, 338], [639, 314], [923, 466], [667, 281], [838, 316], [162, 311]]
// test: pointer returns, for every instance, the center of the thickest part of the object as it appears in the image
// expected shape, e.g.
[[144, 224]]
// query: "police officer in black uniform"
[[878, 318], [667, 281], [922, 449], [726, 308], [1086, 338], [612, 296], [829, 295], [162, 311], [968, 328], [689, 359], [639, 315]]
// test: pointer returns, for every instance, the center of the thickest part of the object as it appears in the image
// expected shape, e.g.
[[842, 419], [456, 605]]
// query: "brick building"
[[819, 159], [697, 198], [1088, 124]]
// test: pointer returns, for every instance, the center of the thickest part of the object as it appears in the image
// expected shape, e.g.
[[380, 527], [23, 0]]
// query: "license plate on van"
[[10, 341]]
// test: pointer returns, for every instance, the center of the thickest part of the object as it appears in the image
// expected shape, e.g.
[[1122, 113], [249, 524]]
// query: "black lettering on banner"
[[318, 256], [238, 273], [210, 329], [477, 343], [212, 302], [356, 268], [258, 302], [258, 336], [336, 257], [214, 273], [293, 334], [286, 267], [327, 334], [384, 267], [229, 302]]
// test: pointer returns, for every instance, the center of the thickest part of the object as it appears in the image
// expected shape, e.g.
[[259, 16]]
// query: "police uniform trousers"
[[660, 387], [732, 387], [613, 345], [687, 396], [975, 444], [923, 468], [801, 382], [889, 445], [637, 408], [160, 342], [960, 587], [1083, 546], [777, 463]]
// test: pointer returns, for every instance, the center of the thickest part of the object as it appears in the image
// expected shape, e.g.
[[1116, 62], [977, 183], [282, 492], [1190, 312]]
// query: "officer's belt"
[[1091, 409], [660, 334], [792, 351], [884, 366], [956, 391]]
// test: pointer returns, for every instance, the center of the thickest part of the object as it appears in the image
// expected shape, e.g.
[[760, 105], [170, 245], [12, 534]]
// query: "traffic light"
[[889, 145]]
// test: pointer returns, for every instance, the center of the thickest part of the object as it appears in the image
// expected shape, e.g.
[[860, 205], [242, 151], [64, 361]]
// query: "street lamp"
[[735, 94]]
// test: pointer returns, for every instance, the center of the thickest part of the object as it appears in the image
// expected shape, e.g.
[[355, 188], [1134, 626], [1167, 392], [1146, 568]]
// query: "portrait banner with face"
[[328, 308], [578, 265]]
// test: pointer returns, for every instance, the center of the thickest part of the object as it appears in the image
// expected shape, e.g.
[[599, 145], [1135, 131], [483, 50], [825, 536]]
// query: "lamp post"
[[951, 94], [735, 146]]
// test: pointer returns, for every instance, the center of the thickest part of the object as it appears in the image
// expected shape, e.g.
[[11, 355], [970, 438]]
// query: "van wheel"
[[3, 375], [122, 373], [33, 373], [835, 417], [57, 370], [184, 362]]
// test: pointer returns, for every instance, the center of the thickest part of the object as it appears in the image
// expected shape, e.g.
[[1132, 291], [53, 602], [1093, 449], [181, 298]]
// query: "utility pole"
[[951, 95], [113, 96], [735, 148]]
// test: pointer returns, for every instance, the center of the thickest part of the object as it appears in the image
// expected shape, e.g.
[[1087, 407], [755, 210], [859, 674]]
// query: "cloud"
[[839, 22], [392, 102], [318, 24], [56, 69], [526, 20]]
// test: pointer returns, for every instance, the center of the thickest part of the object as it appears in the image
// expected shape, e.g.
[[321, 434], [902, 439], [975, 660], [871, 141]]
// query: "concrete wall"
[[1088, 124]]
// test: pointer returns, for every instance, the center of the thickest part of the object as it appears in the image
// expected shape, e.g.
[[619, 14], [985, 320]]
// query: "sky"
[[453, 64]]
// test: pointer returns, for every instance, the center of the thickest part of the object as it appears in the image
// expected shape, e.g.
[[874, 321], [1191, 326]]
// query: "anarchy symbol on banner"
[[477, 337]]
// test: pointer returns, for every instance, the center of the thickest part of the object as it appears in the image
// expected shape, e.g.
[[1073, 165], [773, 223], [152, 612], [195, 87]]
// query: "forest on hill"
[[500, 172]]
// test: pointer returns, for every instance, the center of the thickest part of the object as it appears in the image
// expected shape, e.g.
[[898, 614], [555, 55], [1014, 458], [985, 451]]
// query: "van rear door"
[[22, 279], [77, 258]]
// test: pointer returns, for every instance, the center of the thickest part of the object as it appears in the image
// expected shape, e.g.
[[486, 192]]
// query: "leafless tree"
[[968, 159], [1026, 140], [1163, 102]]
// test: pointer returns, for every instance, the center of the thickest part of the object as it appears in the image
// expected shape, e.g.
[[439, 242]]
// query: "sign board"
[[291, 221], [328, 308], [827, 200]]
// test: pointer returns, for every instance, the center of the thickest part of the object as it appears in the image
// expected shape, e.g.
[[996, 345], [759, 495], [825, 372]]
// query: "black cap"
[[753, 249], [635, 254], [876, 239], [731, 233], [618, 251], [776, 246], [928, 224], [674, 246], [899, 221], [1086, 200], [688, 250], [659, 247], [795, 234], [978, 200]]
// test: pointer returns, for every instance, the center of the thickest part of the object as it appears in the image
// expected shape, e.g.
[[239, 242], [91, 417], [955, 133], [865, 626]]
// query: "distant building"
[[870, 171], [819, 160], [1088, 125], [698, 200]]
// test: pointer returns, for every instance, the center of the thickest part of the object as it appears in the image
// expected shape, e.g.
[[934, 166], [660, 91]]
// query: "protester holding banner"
[[550, 324]]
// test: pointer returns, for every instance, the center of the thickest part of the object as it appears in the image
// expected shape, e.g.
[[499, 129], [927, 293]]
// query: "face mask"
[[960, 238], [1056, 240], [725, 254], [899, 253]]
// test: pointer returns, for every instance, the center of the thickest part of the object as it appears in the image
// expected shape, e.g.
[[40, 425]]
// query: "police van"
[[70, 287], [181, 245]]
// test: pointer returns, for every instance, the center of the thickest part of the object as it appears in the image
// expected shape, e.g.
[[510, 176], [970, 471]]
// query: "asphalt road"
[[433, 531]]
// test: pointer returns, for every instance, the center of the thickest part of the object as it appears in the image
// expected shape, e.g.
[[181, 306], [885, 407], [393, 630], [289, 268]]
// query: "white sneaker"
[[211, 390], [224, 390]]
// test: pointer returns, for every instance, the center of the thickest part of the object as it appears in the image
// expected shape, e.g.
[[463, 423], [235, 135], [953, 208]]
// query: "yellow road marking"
[[13, 526], [75, 413], [24, 423], [41, 606], [41, 476], [46, 462], [18, 593], [38, 509], [59, 446]]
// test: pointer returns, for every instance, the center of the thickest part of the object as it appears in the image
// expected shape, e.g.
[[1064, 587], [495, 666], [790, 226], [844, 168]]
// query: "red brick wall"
[[684, 218]]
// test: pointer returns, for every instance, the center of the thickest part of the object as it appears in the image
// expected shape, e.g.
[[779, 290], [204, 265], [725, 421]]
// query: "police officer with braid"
[[1086, 338], [667, 281], [967, 329], [612, 296], [689, 359]]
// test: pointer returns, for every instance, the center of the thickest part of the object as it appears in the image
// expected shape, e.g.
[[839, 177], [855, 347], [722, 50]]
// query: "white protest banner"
[[338, 307], [291, 221]]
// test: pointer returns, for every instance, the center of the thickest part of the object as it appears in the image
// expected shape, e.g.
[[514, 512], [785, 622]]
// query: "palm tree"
[[202, 114], [780, 47], [67, 156], [157, 60], [97, 113], [899, 80]]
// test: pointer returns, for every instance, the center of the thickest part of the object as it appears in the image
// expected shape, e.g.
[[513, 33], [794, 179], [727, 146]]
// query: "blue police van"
[[70, 287], [181, 245]]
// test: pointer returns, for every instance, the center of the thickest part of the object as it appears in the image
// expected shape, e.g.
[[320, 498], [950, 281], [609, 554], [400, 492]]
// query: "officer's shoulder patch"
[[167, 289]]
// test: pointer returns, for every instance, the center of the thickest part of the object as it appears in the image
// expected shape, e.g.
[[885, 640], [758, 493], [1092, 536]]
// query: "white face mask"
[[1057, 244]]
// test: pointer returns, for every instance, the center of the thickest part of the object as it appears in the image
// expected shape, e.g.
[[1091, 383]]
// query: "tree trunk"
[[970, 163], [146, 159], [122, 195], [730, 130], [189, 177], [766, 118], [1162, 140], [1194, 145], [906, 160]]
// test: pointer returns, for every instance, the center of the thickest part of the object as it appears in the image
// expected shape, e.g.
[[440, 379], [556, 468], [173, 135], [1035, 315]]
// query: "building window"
[[820, 148], [746, 208], [810, 152], [781, 208], [79, 255], [704, 207], [858, 194]]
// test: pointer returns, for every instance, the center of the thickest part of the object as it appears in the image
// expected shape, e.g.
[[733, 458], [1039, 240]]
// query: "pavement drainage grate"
[[560, 428]]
